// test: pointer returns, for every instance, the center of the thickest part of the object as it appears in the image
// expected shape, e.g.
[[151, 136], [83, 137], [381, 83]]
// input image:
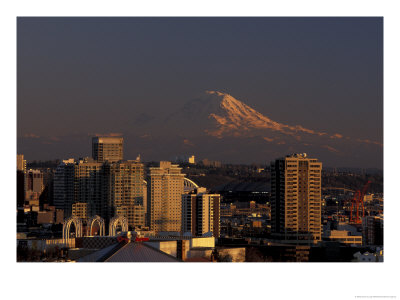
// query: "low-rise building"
[[343, 237]]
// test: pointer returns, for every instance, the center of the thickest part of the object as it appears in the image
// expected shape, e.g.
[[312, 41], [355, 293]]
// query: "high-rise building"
[[296, 199], [126, 191], [90, 186], [166, 189], [107, 189], [82, 181], [64, 186], [107, 149], [201, 213]]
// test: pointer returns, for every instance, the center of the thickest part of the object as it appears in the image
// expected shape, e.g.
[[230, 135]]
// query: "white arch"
[[67, 227], [188, 182], [123, 221], [189, 185], [91, 223]]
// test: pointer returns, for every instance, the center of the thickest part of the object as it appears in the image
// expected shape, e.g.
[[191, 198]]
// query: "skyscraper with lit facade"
[[107, 149], [296, 199], [166, 189]]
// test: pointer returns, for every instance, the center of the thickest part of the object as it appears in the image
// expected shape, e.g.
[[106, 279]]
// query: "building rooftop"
[[129, 252]]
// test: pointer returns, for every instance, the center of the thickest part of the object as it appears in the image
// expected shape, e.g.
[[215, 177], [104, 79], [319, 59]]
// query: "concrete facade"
[[166, 189], [107, 149], [201, 213], [296, 198]]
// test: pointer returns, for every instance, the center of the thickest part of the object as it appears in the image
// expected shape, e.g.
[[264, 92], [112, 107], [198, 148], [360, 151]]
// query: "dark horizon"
[[78, 77]]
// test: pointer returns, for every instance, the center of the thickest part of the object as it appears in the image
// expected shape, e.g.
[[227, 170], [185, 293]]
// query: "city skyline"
[[78, 77], [74, 80]]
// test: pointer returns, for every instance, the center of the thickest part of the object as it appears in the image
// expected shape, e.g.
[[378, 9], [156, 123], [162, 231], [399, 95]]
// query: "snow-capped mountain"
[[221, 115], [234, 115], [226, 124]]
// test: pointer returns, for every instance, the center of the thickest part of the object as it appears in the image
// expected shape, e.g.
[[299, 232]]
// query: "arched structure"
[[93, 221], [189, 185], [112, 229], [67, 227]]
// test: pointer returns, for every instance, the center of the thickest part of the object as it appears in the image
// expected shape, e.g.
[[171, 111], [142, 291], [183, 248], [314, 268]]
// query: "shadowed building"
[[126, 192], [82, 181], [296, 199], [90, 186], [64, 190]]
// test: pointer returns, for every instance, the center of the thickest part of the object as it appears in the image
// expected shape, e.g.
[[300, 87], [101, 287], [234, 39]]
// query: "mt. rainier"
[[217, 126], [221, 115]]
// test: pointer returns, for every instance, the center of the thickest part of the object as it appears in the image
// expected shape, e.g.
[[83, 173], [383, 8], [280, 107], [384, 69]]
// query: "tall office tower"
[[200, 213], [21, 163], [126, 191], [166, 189], [107, 149], [64, 186], [296, 199], [90, 186], [82, 181]]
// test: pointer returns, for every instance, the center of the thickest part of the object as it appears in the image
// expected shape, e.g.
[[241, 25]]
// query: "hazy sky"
[[79, 76]]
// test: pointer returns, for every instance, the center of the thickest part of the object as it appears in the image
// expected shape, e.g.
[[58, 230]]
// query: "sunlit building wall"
[[166, 189], [21, 163], [201, 213], [107, 149], [296, 198], [80, 210]]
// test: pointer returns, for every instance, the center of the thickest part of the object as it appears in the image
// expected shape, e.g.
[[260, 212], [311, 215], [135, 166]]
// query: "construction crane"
[[357, 205]]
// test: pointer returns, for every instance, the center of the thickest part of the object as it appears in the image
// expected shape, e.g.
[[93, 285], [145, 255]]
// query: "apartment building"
[[165, 206], [296, 199]]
